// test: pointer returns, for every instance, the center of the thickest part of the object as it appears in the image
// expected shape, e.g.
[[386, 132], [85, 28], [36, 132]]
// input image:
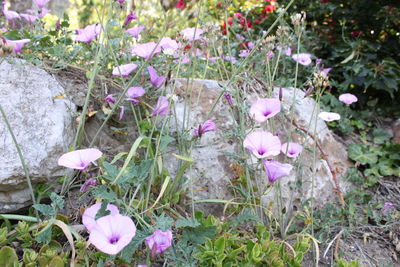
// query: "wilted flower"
[[112, 233], [159, 241], [10, 15], [229, 98], [90, 182], [29, 18], [135, 31], [276, 170], [265, 108], [124, 70], [89, 215], [348, 98], [291, 149], [79, 159], [326, 71], [192, 34], [387, 207], [17, 44], [155, 79], [329, 116], [262, 144], [121, 113], [41, 3], [120, 1], [131, 16], [110, 99], [303, 58], [207, 126], [133, 93], [162, 106], [146, 50], [88, 34]]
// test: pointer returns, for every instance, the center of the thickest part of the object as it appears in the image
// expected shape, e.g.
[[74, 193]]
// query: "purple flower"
[[214, 59], [250, 45], [244, 53], [131, 16], [155, 80], [124, 70], [162, 106], [146, 50], [329, 116], [326, 71], [41, 3], [276, 170], [303, 58], [169, 45], [29, 18], [110, 99], [265, 108], [10, 15], [207, 126], [112, 233], [387, 207], [43, 12], [192, 34], [79, 159], [348, 98], [230, 59], [88, 34], [159, 241], [262, 144], [135, 31], [90, 182], [133, 93], [121, 113], [292, 150], [229, 98], [120, 1], [270, 55], [89, 216], [17, 44]]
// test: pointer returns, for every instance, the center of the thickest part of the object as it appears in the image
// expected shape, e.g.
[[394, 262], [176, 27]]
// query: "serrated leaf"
[[57, 201], [103, 192], [245, 216], [44, 209], [361, 153], [128, 252], [198, 235], [164, 222], [185, 222], [111, 171]]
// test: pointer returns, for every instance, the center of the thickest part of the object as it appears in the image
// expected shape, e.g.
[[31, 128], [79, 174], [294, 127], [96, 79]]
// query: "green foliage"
[[8, 257], [344, 263]]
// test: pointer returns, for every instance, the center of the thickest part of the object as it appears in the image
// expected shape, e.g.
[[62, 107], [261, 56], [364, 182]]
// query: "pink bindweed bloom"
[[244, 53], [133, 93], [250, 45], [214, 59], [302, 58], [276, 170], [270, 55], [88, 34], [169, 45], [142, 265], [131, 16], [230, 59], [288, 50], [11, 15], [162, 106], [159, 241], [124, 70], [207, 126], [262, 144], [89, 215], [85, 186], [41, 3], [146, 50], [291, 149], [121, 113], [79, 159], [110, 99], [29, 18], [43, 12], [265, 108], [112, 233], [3, 30], [120, 1], [329, 116], [192, 34], [155, 79], [229, 98], [326, 71], [348, 98], [135, 31], [17, 44]]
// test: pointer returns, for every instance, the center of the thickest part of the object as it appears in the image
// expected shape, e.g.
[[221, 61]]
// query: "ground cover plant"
[[133, 210]]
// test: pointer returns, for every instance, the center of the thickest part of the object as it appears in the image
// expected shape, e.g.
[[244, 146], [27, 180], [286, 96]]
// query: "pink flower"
[[192, 34], [10, 15], [43, 12], [131, 16], [348, 98], [303, 58], [326, 71], [387, 207], [166, 43], [265, 108], [230, 59], [229, 98], [121, 1], [262, 144], [288, 50], [121, 113], [159, 241], [88, 34], [41, 3], [207, 126], [124, 70], [146, 50], [181, 4], [133, 93], [79, 159], [17, 44], [110, 99], [29, 18], [162, 106], [85, 186], [135, 31], [244, 53], [270, 55], [329, 116], [291, 149], [276, 170], [89, 216], [112, 233], [155, 80]]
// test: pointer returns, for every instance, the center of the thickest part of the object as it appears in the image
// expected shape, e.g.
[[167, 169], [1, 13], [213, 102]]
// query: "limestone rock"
[[41, 119]]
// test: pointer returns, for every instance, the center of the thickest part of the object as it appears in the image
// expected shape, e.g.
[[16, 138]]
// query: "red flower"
[[187, 47], [181, 4], [269, 9]]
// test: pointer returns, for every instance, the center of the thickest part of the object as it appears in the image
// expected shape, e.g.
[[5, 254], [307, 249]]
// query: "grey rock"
[[41, 119]]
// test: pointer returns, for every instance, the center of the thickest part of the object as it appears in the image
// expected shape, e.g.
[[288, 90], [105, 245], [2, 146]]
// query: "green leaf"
[[8, 256], [111, 171], [102, 211], [164, 222], [362, 154], [57, 201], [44, 237], [181, 223], [44, 209], [245, 216], [220, 245], [199, 234], [380, 136], [128, 252], [165, 141], [102, 191]]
